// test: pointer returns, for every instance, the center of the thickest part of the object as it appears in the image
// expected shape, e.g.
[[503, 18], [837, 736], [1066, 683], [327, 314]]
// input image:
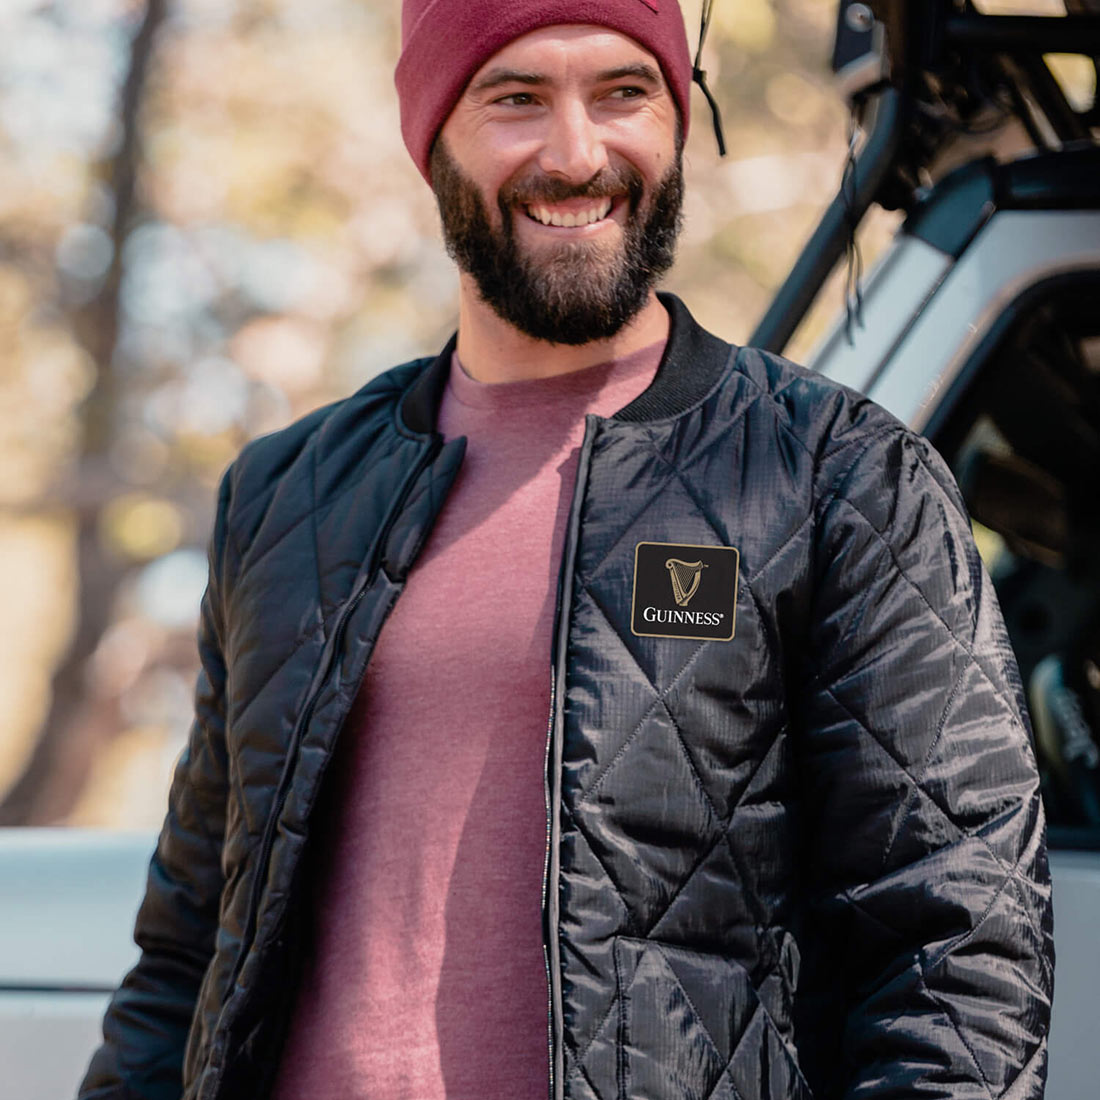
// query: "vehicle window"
[[1023, 439]]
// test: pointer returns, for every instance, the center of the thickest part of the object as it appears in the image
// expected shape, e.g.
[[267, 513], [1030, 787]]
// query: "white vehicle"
[[68, 898], [980, 328]]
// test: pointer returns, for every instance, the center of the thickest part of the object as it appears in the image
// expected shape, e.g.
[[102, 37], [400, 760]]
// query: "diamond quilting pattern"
[[657, 805], [691, 1021], [654, 778], [687, 796], [668, 1049]]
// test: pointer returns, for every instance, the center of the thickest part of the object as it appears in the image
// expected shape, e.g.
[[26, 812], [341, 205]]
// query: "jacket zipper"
[[552, 774], [320, 680]]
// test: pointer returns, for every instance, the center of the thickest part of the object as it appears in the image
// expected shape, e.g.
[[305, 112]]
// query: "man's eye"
[[628, 92], [517, 99]]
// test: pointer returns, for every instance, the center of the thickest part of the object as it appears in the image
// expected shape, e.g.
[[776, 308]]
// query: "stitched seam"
[[727, 823], [268, 677], [1012, 874], [760, 915], [725, 1071], [897, 762], [214, 847], [945, 1008], [1017, 889], [278, 539], [919, 782], [594, 786], [672, 471], [775, 642], [711, 523], [963, 833], [1039, 1051], [659, 701], [588, 1082], [621, 1034], [579, 826], [580, 1056], [777, 409], [236, 787], [675, 471], [783, 729], [691, 764], [950, 633], [261, 554], [868, 442], [1010, 870], [922, 458], [683, 886], [782, 546], [770, 1021], [627, 528], [842, 642], [895, 428]]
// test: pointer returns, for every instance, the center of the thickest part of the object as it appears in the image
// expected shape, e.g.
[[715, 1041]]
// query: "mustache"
[[608, 182]]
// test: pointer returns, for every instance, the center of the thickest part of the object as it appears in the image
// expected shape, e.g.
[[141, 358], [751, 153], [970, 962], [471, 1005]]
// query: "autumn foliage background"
[[209, 226]]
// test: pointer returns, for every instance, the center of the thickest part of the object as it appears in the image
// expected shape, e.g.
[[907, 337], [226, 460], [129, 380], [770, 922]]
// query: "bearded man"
[[596, 709]]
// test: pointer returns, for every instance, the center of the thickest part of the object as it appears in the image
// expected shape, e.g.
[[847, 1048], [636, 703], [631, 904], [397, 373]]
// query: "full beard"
[[580, 291]]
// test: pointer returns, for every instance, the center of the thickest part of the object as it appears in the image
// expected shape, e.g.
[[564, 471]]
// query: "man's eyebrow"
[[495, 77], [640, 70]]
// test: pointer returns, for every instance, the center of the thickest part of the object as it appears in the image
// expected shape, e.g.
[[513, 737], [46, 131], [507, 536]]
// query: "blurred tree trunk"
[[61, 760]]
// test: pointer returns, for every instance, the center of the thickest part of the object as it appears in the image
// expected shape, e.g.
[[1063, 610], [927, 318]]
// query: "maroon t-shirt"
[[426, 979]]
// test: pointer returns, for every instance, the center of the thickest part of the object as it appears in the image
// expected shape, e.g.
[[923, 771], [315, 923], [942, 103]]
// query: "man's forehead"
[[583, 49]]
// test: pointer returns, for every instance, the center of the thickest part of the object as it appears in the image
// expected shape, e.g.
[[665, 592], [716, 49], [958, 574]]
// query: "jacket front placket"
[[356, 625], [552, 786]]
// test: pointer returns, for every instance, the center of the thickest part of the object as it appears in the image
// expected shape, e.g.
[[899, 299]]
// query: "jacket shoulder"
[[836, 426], [271, 464]]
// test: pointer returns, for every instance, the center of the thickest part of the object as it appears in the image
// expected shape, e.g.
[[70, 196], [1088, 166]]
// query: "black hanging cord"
[[853, 276], [700, 77]]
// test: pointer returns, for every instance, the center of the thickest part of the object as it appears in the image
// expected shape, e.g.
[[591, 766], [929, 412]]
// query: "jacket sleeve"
[[927, 861], [148, 1019]]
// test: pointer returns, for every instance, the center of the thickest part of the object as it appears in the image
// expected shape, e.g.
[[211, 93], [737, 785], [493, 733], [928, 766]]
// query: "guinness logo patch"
[[684, 591]]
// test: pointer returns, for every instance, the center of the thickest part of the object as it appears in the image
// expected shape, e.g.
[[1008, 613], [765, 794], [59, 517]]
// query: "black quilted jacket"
[[807, 861]]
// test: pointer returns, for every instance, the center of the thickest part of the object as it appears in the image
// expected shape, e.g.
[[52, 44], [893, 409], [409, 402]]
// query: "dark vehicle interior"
[[1023, 439], [936, 86]]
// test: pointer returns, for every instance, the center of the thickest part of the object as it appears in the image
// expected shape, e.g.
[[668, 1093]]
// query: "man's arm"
[[928, 862], [146, 1026]]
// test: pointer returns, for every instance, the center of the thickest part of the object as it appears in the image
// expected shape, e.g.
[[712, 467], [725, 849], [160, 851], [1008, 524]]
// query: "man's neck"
[[492, 350]]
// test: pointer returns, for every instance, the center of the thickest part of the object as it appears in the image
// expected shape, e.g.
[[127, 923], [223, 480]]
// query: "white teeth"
[[568, 220]]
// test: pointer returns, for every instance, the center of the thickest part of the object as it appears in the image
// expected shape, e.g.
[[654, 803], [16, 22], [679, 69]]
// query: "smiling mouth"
[[547, 215]]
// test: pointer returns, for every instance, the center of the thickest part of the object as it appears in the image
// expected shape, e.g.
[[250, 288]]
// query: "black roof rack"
[[925, 76]]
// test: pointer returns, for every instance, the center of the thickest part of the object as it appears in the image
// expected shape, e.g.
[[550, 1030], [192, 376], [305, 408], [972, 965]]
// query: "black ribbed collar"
[[692, 362]]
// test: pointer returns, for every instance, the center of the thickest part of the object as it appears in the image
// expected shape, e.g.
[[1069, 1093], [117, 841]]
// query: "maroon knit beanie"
[[444, 42]]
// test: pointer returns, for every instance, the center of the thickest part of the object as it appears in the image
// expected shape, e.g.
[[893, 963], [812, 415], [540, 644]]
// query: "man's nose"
[[574, 147]]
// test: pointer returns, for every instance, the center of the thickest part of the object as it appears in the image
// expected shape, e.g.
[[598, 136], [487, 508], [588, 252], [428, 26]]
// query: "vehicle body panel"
[[1014, 251]]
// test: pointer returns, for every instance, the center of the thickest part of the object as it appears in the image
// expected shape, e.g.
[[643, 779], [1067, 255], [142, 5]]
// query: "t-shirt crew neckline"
[[586, 383]]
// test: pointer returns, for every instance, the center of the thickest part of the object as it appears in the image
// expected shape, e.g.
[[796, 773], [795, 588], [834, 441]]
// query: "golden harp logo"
[[684, 591], [685, 577]]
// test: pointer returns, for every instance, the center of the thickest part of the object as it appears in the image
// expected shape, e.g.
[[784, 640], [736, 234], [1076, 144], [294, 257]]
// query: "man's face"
[[559, 183]]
